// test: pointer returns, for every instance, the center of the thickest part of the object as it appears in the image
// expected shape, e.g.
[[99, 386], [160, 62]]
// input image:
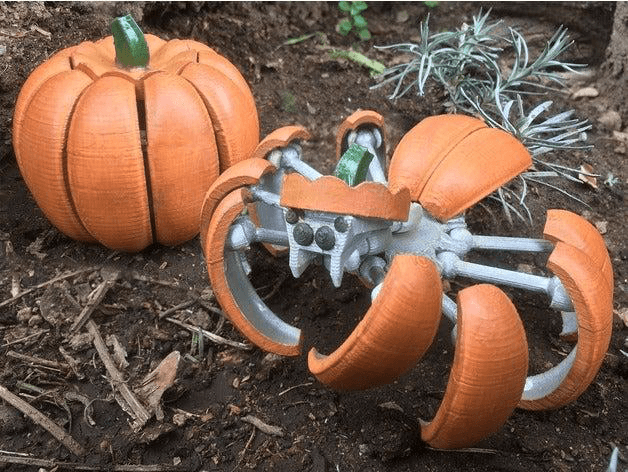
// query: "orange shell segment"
[[181, 155], [263, 336], [423, 148], [106, 166], [488, 373], [45, 127], [59, 63], [232, 110], [357, 119], [394, 333], [211, 58], [593, 302], [279, 138], [484, 161], [242, 174], [572, 229], [333, 195]]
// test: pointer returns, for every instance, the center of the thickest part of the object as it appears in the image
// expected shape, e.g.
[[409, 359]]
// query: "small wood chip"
[[263, 427], [586, 92], [584, 176]]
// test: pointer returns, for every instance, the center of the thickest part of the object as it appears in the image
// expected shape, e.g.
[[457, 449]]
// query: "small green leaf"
[[431, 4], [344, 6], [359, 21], [357, 7], [344, 27], [364, 34]]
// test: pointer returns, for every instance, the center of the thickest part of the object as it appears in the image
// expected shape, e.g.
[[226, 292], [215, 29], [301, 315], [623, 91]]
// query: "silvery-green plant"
[[468, 63]]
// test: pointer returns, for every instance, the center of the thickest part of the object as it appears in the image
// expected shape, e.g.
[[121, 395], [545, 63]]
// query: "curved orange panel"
[[572, 229], [394, 333], [171, 49], [59, 63], [233, 113], [331, 194], [106, 166], [242, 174], [93, 65], [213, 247], [357, 119], [480, 163], [423, 148], [593, 302], [216, 61], [107, 48], [181, 154], [42, 143], [279, 138], [178, 62], [488, 373]]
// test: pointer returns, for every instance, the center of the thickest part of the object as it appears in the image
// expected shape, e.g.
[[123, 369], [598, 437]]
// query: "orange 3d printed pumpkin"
[[118, 140], [401, 234]]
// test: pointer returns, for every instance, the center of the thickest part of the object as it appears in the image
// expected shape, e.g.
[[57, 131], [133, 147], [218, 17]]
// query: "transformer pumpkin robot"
[[401, 235]]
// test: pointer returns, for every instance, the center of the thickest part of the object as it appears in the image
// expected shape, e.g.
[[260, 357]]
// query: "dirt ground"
[[205, 425]]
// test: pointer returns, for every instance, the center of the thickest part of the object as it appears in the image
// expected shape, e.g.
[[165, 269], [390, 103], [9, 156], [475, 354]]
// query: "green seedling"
[[431, 4], [355, 21]]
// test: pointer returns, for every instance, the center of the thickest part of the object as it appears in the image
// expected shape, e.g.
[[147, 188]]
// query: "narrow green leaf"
[[300, 39]]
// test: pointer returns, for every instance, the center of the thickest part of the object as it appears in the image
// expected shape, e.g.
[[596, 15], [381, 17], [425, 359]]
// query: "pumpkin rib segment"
[[421, 149], [59, 63], [233, 112], [141, 121], [472, 170], [46, 136], [181, 161], [105, 167]]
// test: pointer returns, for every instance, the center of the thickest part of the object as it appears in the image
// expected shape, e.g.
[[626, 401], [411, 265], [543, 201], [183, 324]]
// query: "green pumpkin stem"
[[354, 165], [129, 41]]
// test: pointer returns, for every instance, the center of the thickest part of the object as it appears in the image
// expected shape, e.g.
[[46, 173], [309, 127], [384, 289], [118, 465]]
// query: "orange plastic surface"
[[106, 166], [333, 195], [572, 229], [593, 302], [393, 335], [242, 174], [281, 137], [357, 119], [232, 111], [213, 247], [139, 173], [46, 175], [181, 155], [488, 373], [450, 162]]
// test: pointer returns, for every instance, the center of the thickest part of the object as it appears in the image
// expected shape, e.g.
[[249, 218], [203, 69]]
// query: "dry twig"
[[129, 401], [34, 414], [211, 336], [45, 284], [97, 296], [263, 427], [38, 361], [10, 459]]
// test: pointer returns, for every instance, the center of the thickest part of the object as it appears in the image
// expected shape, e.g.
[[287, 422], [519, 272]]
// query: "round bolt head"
[[303, 234], [325, 238], [341, 224], [292, 216]]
